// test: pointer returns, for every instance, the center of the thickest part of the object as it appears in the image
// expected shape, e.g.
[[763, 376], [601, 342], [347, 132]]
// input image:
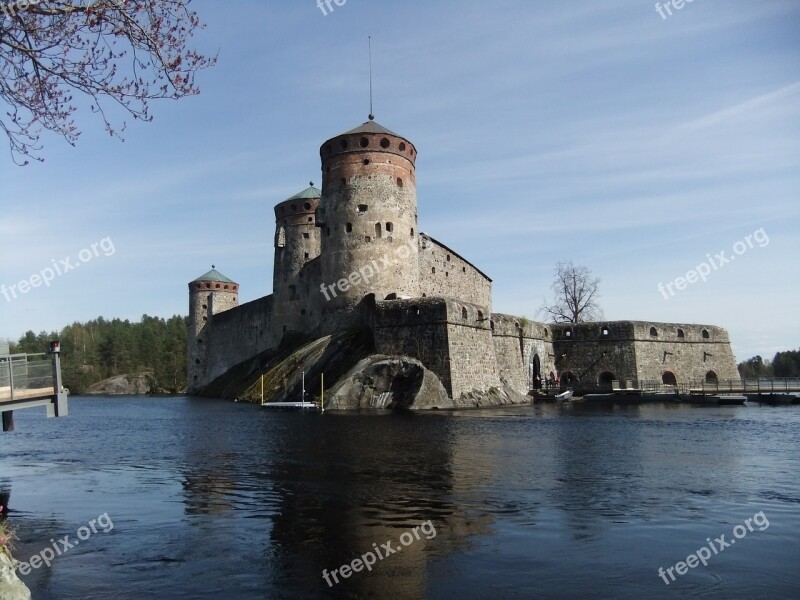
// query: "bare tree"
[[108, 53], [575, 295]]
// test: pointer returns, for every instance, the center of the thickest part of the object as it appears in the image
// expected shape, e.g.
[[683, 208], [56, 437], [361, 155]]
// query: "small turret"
[[209, 295]]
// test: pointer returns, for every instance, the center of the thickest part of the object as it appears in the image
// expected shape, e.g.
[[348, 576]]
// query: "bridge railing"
[[30, 380], [740, 386]]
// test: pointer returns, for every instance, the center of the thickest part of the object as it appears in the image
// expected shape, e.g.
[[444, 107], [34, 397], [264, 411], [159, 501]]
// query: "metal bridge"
[[725, 386], [30, 380]]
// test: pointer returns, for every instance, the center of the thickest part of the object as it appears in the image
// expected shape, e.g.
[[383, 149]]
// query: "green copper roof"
[[371, 127], [307, 194], [214, 275]]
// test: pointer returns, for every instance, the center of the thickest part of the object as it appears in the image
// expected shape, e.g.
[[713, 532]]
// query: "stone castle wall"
[[516, 343], [237, 335], [445, 274], [634, 350]]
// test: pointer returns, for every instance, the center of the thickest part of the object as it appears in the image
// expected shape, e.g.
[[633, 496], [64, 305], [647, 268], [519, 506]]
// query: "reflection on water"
[[212, 499]]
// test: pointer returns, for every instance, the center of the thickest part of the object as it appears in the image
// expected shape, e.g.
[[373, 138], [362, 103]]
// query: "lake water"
[[210, 499]]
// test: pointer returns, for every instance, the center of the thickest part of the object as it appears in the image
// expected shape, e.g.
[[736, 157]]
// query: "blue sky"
[[596, 132]]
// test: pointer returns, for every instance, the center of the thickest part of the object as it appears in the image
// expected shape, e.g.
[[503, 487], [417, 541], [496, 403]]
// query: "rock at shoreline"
[[124, 385], [11, 587]]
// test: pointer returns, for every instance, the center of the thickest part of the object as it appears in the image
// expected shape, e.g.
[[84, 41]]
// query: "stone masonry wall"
[[473, 365], [690, 357], [516, 342], [416, 328], [237, 335], [443, 273]]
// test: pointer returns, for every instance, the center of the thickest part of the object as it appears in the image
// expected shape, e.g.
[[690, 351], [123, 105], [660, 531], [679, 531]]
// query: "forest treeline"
[[784, 364], [99, 349]]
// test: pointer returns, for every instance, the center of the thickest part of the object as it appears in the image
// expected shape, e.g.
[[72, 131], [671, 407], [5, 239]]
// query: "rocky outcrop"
[[381, 381], [124, 385], [11, 588]]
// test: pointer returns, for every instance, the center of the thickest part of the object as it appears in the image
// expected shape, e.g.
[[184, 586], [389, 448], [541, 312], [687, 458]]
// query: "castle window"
[[412, 232], [303, 312], [200, 285], [310, 219], [463, 313], [306, 235], [216, 286], [653, 332], [307, 206], [226, 287], [491, 324], [399, 182], [305, 255], [377, 231], [197, 361], [205, 306], [433, 270], [367, 238], [668, 378], [389, 227], [362, 208], [385, 143], [448, 258], [348, 227], [546, 332], [463, 269], [234, 298], [205, 318], [711, 377], [568, 333], [706, 335], [681, 334], [208, 285], [446, 274], [402, 146], [364, 142], [366, 161], [605, 331], [480, 315]]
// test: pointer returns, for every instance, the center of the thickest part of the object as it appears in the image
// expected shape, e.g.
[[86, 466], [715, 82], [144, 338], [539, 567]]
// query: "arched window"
[[377, 231], [463, 313], [653, 332], [706, 335], [681, 334]]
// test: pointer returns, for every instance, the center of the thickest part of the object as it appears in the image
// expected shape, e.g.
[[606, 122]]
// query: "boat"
[[565, 396]]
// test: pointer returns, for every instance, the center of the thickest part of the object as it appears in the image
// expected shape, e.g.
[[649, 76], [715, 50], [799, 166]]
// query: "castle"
[[351, 255]]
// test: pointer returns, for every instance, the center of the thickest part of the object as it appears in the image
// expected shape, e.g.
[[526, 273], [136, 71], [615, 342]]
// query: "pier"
[[31, 380], [714, 387]]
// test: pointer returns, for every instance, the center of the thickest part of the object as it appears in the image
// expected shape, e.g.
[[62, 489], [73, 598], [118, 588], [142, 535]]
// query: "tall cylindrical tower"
[[209, 294], [368, 217], [297, 243]]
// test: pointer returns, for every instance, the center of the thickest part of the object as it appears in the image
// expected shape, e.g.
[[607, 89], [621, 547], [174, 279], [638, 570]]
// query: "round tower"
[[209, 294], [297, 243], [368, 217]]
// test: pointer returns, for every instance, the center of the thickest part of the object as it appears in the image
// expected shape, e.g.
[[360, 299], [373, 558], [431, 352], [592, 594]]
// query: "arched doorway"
[[605, 379], [668, 378], [536, 372], [568, 378], [711, 377]]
